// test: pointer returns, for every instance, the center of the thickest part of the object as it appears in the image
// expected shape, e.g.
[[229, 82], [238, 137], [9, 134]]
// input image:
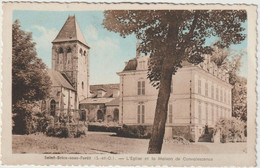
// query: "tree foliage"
[[30, 81], [171, 37], [180, 34], [239, 91]]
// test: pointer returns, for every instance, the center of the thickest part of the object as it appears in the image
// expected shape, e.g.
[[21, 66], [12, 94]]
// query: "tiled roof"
[[131, 65], [108, 88], [114, 102], [96, 100], [59, 79], [70, 32]]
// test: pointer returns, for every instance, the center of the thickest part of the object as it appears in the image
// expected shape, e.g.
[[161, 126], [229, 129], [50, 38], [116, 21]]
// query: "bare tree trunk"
[[156, 141]]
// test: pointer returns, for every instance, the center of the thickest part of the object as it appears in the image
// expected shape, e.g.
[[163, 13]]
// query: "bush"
[[43, 120], [103, 128], [135, 131], [231, 130], [65, 131], [24, 119]]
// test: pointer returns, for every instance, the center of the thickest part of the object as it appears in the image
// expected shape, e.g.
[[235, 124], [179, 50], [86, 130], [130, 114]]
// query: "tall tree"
[[30, 81], [171, 37], [224, 60]]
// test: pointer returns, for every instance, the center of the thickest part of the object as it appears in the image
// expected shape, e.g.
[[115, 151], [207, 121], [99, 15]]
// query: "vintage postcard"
[[128, 84]]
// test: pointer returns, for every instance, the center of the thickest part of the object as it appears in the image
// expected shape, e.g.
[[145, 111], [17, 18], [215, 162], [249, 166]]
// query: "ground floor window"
[[170, 114], [199, 111], [53, 107], [100, 115], [140, 114], [116, 114]]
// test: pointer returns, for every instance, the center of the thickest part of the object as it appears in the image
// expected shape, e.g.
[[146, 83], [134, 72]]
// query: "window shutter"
[[170, 114], [143, 87], [138, 114], [199, 86], [139, 88], [143, 114]]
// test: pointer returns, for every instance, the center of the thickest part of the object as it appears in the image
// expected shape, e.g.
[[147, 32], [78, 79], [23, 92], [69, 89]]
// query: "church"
[[70, 70], [71, 92]]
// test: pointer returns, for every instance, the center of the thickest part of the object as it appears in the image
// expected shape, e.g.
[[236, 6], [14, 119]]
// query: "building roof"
[[108, 88], [96, 100], [70, 32], [59, 79], [114, 102], [131, 65]]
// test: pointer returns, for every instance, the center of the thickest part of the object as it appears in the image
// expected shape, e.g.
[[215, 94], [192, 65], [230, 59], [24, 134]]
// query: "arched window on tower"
[[60, 50], [53, 107], [81, 52], [85, 53], [68, 55], [69, 50], [60, 55]]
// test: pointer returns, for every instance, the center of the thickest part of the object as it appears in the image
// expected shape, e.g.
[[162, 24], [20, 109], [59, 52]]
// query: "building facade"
[[70, 55], [62, 97], [103, 103], [200, 95], [70, 70]]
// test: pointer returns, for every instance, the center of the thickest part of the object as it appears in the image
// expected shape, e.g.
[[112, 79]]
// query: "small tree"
[[30, 81], [231, 130], [171, 37]]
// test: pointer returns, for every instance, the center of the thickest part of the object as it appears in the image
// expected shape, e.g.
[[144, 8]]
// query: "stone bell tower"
[[70, 56]]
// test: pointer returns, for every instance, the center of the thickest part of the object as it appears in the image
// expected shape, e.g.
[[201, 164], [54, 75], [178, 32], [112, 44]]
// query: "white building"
[[200, 95]]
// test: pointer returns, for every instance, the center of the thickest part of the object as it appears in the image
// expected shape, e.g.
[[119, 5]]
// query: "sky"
[[108, 52]]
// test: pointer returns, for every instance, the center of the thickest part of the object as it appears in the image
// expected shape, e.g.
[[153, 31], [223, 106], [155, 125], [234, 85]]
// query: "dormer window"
[[142, 65]]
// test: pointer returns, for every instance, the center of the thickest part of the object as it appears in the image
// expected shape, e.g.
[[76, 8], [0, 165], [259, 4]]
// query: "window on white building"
[[170, 114], [207, 114], [142, 65], [141, 88], [199, 113], [140, 113], [228, 98], [206, 89], [217, 93], [199, 86], [171, 86], [217, 115], [212, 91], [212, 110], [221, 94], [225, 96]]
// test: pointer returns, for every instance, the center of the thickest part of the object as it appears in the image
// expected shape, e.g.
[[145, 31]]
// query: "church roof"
[[70, 32], [59, 79]]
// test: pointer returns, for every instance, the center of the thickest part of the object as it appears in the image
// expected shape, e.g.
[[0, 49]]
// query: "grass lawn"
[[100, 142]]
